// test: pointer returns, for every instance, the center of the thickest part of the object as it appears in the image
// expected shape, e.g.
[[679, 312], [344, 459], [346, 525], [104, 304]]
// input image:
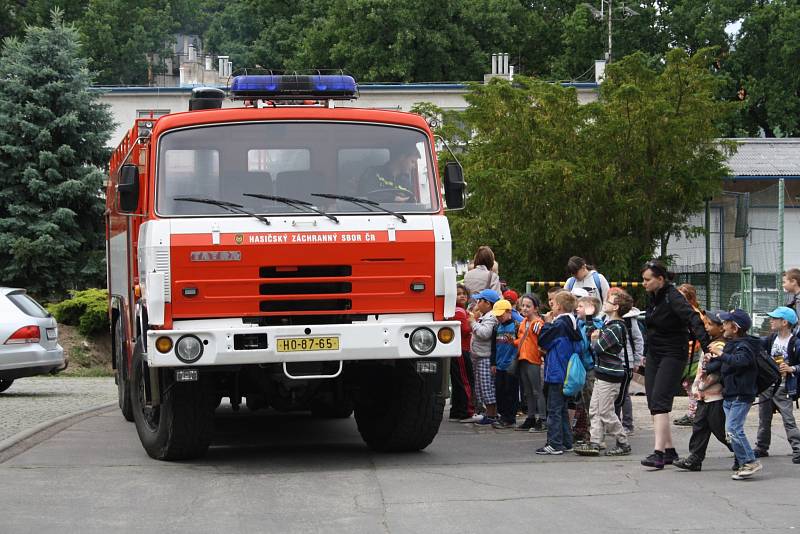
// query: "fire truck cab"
[[287, 253]]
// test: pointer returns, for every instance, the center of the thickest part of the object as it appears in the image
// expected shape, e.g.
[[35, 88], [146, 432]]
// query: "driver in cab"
[[394, 180]]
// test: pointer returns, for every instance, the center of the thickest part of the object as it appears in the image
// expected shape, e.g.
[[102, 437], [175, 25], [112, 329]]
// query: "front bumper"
[[384, 338]]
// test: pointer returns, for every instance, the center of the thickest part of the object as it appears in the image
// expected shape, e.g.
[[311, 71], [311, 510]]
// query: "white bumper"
[[386, 337]]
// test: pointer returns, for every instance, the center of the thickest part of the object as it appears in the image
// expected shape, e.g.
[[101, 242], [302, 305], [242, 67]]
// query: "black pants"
[[461, 377], [506, 388], [709, 419]]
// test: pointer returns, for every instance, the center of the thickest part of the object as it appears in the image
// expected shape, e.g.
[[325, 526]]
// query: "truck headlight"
[[423, 341], [189, 349]]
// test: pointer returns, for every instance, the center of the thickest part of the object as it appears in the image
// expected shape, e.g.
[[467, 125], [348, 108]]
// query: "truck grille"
[[322, 293]]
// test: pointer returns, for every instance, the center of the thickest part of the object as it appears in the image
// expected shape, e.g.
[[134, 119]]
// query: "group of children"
[[511, 352], [505, 345]]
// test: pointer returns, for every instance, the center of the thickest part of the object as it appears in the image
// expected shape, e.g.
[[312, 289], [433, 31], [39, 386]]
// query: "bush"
[[88, 310]]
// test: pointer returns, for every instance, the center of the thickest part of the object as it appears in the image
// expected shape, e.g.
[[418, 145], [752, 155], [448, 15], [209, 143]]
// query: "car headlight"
[[189, 349], [423, 341]]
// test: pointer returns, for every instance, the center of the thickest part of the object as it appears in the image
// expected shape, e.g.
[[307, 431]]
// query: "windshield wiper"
[[293, 202], [229, 206], [360, 202]]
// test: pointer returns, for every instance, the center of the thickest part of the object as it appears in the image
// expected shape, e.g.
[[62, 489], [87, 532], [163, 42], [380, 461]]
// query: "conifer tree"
[[53, 135]]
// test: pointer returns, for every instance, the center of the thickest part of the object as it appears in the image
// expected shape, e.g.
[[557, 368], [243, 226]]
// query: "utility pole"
[[608, 53]]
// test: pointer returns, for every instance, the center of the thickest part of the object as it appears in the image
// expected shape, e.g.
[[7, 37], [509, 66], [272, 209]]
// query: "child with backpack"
[[709, 417], [530, 363], [483, 345], [738, 365], [561, 339], [782, 346], [505, 353], [588, 310], [609, 345]]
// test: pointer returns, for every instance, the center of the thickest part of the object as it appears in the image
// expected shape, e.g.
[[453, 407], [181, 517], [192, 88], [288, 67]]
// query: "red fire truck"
[[284, 251]]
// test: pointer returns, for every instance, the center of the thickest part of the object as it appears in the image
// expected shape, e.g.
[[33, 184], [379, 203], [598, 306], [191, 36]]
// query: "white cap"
[[579, 292]]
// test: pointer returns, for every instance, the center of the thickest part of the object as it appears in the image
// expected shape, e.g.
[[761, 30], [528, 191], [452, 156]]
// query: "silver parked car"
[[28, 338]]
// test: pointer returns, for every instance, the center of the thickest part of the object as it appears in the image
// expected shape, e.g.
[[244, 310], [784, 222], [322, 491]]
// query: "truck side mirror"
[[128, 188], [454, 185]]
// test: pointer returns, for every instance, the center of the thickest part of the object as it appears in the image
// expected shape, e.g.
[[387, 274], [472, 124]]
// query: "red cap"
[[510, 295]]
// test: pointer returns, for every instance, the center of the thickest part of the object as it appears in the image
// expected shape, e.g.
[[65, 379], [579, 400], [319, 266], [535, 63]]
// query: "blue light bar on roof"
[[294, 87]]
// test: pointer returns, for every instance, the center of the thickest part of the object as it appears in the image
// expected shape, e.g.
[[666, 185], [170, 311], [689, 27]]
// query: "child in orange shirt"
[[530, 363]]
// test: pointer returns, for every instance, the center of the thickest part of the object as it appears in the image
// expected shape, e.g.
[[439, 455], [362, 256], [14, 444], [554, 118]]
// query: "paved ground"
[[30, 401], [291, 473]]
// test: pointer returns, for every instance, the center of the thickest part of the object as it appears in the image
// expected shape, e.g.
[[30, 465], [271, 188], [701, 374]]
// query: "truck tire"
[[180, 428], [121, 376], [398, 410], [5, 383]]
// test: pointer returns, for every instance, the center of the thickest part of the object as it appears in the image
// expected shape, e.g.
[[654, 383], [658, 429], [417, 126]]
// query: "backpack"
[[575, 377], [769, 374], [596, 277], [585, 352]]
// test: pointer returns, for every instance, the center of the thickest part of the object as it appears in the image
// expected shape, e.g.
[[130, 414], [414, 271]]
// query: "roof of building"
[[765, 159]]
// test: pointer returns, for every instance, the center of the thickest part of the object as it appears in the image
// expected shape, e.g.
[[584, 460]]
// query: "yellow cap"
[[500, 307]]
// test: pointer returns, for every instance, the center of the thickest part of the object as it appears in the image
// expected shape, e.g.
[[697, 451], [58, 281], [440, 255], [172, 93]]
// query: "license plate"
[[300, 344], [52, 333]]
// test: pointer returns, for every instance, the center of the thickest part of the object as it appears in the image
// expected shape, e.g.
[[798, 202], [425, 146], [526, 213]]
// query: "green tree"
[[765, 63], [606, 180], [53, 133], [119, 37]]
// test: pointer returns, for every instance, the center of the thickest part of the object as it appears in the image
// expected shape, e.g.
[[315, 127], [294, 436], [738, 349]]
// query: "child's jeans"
[[559, 435], [506, 388], [532, 385], [735, 414]]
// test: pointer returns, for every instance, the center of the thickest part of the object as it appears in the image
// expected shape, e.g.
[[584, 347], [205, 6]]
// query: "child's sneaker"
[[502, 425], [538, 426], [547, 449], [486, 421], [747, 470], [526, 425], [655, 460], [587, 449], [472, 419], [621, 449]]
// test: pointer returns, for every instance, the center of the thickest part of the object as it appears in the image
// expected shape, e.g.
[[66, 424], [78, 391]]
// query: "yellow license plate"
[[300, 344]]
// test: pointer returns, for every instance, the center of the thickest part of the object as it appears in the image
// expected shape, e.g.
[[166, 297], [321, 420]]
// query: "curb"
[[70, 419]]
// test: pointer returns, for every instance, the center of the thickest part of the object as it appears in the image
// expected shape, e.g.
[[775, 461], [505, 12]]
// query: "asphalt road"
[[292, 473]]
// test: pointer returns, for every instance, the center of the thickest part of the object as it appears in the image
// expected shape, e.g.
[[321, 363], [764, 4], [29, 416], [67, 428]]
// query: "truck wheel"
[[398, 410], [5, 383], [121, 376], [181, 426]]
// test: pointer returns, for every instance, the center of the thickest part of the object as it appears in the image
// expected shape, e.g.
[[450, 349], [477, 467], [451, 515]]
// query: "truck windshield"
[[385, 164]]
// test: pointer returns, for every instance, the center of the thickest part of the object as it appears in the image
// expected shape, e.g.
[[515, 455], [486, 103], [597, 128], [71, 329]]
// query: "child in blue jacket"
[[505, 381], [560, 338]]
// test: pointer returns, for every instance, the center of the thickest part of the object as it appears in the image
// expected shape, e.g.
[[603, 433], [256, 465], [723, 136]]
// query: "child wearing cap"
[[782, 346], [505, 380], [709, 417], [736, 363], [482, 347]]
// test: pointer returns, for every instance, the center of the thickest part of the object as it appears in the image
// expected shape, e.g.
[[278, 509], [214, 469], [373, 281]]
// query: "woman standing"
[[482, 276], [669, 319]]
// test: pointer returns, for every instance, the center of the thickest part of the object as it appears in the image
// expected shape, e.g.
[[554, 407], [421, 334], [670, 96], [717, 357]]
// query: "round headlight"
[[423, 341], [189, 349]]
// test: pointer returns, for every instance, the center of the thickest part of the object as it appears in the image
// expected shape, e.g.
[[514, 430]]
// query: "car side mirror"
[[128, 188], [454, 186]]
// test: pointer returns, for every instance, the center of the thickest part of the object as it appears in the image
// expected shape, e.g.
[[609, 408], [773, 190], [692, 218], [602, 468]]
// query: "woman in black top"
[[670, 320]]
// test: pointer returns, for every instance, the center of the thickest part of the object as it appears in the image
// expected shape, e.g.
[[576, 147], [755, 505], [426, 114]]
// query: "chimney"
[[599, 70], [500, 68]]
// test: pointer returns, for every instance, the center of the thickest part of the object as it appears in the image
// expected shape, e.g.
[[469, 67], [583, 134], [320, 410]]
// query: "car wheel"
[[181, 426], [5, 383]]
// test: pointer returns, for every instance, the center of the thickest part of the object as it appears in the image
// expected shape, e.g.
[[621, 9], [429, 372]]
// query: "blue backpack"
[[575, 377], [596, 277], [585, 353]]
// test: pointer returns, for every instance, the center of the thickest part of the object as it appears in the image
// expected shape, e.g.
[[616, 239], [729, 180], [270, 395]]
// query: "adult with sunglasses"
[[669, 320]]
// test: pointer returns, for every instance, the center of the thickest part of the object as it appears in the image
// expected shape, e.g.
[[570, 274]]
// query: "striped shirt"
[[609, 352]]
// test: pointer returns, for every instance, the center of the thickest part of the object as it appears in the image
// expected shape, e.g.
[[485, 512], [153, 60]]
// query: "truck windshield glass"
[[385, 164]]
